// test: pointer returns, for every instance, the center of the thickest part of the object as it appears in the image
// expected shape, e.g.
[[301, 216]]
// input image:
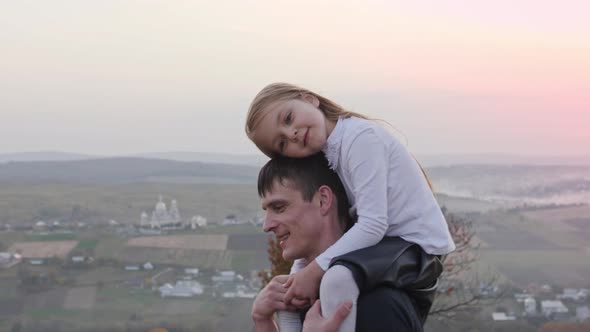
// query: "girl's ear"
[[326, 199], [311, 99]]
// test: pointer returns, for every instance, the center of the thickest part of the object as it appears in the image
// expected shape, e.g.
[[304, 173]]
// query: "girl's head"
[[287, 120]]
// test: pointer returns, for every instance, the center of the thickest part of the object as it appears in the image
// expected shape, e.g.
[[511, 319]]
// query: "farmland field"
[[559, 214], [563, 267], [80, 298], [44, 249], [537, 246], [197, 242]]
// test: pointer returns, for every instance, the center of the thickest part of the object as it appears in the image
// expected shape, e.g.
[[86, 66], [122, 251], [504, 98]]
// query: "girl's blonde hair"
[[285, 91]]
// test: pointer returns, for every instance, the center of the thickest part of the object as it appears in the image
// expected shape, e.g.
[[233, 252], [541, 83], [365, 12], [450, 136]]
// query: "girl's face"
[[293, 128]]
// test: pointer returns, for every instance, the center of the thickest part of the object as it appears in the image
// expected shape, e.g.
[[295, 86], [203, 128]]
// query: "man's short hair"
[[307, 175]]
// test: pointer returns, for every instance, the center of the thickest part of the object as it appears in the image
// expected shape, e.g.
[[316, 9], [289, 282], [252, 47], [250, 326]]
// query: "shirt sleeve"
[[366, 163]]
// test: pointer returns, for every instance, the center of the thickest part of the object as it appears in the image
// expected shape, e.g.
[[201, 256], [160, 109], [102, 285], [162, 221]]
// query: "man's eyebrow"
[[273, 203]]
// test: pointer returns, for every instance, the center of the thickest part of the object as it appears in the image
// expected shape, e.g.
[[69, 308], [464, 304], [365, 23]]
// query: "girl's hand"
[[304, 285]]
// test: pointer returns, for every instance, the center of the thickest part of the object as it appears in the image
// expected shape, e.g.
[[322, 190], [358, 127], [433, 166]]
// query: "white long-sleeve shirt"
[[386, 188]]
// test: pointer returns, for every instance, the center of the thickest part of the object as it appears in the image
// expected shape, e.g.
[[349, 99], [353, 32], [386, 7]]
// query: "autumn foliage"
[[278, 264], [565, 327]]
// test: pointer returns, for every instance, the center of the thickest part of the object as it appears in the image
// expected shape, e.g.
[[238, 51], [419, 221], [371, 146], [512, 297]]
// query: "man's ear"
[[311, 99], [326, 199]]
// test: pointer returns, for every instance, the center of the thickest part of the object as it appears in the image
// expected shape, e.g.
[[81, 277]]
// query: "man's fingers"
[[341, 312], [281, 278], [313, 299], [277, 288], [299, 303], [289, 282], [289, 295], [280, 305], [316, 309]]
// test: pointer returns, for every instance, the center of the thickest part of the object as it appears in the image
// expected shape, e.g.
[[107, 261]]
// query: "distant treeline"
[[124, 170]]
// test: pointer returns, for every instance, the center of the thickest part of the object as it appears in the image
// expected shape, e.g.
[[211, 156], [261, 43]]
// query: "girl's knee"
[[338, 280]]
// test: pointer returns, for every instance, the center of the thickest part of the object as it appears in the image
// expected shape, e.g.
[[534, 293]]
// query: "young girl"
[[386, 187]]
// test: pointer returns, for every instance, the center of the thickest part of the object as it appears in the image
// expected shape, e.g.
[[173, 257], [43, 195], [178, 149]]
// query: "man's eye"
[[288, 118]]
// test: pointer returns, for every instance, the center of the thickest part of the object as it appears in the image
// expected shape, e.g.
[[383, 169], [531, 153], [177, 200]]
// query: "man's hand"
[[303, 286], [270, 300], [314, 322]]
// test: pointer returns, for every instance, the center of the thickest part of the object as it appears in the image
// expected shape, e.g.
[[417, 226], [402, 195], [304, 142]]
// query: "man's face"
[[295, 222]]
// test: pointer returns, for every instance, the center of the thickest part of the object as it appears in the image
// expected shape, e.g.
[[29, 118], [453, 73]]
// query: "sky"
[[123, 77]]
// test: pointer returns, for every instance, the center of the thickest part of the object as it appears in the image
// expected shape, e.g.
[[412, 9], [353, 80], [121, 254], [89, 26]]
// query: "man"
[[307, 210]]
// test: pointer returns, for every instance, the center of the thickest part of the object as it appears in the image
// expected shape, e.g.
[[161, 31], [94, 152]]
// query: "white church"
[[164, 218]]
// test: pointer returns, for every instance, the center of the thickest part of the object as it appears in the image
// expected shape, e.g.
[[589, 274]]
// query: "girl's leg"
[[288, 321], [337, 286]]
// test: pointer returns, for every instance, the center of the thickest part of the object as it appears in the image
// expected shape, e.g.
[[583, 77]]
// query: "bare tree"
[[278, 265], [461, 288]]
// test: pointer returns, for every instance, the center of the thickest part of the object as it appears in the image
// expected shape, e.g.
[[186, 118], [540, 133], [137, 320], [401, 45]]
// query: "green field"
[[28, 203], [50, 237]]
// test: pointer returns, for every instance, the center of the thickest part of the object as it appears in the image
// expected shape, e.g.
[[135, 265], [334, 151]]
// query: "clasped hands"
[[303, 286]]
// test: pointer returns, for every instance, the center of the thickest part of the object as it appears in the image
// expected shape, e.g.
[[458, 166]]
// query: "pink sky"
[[454, 76]]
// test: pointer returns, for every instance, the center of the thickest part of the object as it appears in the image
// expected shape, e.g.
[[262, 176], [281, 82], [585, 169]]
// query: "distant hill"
[[186, 156], [124, 170], [43, 156], [500, 159], [427, 160], [222, 158]]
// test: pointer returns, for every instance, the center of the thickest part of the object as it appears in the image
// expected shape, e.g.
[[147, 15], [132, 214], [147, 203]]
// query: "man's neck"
[[330, 234]]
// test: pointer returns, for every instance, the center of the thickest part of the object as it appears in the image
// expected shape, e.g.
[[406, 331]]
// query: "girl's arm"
[[366, 163]]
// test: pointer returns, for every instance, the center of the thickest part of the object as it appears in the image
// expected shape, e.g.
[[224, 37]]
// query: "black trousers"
[[398, 268], [387, 309], [397, 282]]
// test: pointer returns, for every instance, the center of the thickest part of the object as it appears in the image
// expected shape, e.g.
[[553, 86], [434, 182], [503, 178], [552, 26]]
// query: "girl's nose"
[[294, 135]]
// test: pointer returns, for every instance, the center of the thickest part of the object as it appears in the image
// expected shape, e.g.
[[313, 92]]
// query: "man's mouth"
[[305, 137], [282, 239]]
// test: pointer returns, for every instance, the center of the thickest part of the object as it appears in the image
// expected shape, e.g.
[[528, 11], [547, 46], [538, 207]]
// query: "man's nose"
[[268, 225]]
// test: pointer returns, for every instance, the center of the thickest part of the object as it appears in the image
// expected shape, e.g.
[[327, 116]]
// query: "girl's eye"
[[281, 144], [288, 118]]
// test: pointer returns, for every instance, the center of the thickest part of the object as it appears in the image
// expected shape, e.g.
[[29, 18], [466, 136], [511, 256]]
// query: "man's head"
[[305, 202]]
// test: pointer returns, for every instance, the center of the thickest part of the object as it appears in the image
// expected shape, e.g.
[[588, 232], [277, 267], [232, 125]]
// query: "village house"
[[573, 294], [5, 258], [530, 306], [224, 276], [197, 222], [501, 316], [551, 307], [78, 259], [194, 272], [582, 313], [131, 268], [36, 261], [183, 288]]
